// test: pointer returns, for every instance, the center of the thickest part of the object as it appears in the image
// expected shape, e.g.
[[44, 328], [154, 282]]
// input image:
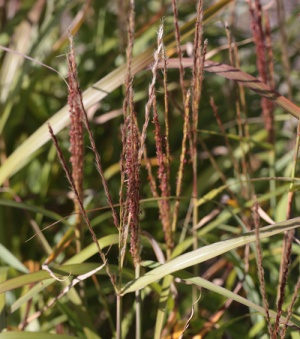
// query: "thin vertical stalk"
[[246, 192], [76, 141], [166, 115], [130, 165], [138, 305], [179, 52], [163, 180], [244, 127], [182, 158], [287, 241], [260, 266], [262, 63], [271, 82], [284, 45], [119, 317], [231, 45], [151, 90], [129, 127], [290, 308], [163, 171], [166, 140], [82, 210], [198, 69]]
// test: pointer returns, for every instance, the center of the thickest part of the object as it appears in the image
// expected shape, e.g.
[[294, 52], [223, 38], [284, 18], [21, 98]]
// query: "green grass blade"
[[91, 250], [11, 259], [206, 253], [33, 208], [30, 294], [162, 309], [35, 277], [3, 277], [228, 294]]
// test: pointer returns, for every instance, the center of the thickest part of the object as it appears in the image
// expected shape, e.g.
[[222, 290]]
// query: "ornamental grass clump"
[[182, 165]]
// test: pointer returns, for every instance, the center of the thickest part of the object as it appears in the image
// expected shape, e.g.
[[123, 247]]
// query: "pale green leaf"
[[205, 253], [11, 260]]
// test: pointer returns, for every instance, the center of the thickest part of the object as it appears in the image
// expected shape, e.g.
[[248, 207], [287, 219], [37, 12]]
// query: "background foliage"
[[36, 195]]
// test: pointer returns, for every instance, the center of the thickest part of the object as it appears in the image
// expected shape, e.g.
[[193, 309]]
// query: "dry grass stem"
[[129, 162], [179, 50], [269, 51], [76, 140], [261, 61], [244, 130], [84, 117], [197, 79], [260, 267], [162, 177], [73, 283], [290, 308], [233, 57], [284, 272], [166, 118], [151, 89], [82, 210], [287, 245], [182, 158], [283, 41]]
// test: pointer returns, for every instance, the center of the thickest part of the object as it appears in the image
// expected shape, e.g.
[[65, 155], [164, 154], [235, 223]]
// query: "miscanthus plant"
[[149, 169]]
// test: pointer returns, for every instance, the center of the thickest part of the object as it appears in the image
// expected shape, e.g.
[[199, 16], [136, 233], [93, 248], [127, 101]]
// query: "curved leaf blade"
[[11, 259], [206, 253]]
